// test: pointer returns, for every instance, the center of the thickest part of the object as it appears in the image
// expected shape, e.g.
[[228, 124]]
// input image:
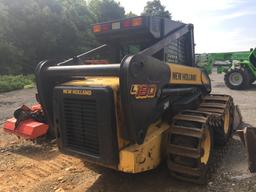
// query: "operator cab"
[[132, 35]]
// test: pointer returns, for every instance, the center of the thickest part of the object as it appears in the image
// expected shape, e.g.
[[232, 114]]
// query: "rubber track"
[[218, 104], [190, 125]]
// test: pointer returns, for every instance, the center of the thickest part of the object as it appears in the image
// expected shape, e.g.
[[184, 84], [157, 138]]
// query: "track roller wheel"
[[190, 146], [222, 107]]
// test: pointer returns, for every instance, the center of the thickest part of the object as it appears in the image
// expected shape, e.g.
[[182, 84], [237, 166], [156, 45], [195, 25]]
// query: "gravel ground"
[[25, 166], [12, 100]]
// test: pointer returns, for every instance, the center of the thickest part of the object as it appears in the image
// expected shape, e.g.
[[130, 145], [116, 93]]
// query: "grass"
[[14, 82]]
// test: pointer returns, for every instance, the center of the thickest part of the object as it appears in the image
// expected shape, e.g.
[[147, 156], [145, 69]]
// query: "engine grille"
[[80, 119], [85, 124]]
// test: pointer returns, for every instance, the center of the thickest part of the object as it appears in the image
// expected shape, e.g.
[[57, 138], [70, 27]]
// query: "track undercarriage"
[[195, 133]]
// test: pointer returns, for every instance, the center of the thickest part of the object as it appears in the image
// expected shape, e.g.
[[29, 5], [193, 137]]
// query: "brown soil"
[[26, 166]]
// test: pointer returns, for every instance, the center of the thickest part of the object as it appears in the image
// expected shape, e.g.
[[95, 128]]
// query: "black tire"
[[251, 77], [252, 81], [240, 84]]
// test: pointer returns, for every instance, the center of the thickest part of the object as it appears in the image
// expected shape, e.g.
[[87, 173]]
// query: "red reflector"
[[28, 129], [105, 27], [126, 23], [96, 28], [137, 21]]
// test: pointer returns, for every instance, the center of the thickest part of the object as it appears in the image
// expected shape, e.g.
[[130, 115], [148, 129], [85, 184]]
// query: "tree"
[[155, 8], [43, 29], [130, 14], [34, 30], [11, 57], [105, 10]]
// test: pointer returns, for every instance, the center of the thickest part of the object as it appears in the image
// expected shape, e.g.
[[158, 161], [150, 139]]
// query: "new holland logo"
[[77, 92], [143, 91], [183, 76]]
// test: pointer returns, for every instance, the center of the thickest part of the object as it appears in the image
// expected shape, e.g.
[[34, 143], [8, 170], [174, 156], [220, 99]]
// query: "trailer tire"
[[238, 78]]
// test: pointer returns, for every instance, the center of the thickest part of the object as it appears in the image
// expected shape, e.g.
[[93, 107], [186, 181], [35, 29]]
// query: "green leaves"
[[11, 58], [13, 82], [34, 30], [155, 8], [106, 10]]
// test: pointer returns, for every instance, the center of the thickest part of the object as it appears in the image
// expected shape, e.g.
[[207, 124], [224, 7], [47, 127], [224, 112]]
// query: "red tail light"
[[105, 27], [126, 23], [96, 28], [137, 21]]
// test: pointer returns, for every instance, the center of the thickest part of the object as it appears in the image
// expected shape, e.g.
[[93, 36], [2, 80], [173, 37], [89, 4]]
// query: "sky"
[[219, 25]]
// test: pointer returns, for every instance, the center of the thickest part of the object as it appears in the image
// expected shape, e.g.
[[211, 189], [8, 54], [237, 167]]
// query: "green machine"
[[223, 61], [230, 58], [239, 67], [241, 74]]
